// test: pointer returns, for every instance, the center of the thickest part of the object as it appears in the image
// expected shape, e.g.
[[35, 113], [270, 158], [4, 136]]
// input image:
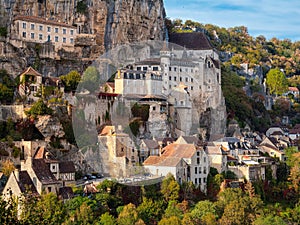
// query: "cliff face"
[[113, 22]]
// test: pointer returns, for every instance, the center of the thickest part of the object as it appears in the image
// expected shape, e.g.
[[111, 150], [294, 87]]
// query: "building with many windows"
[[39, 30]]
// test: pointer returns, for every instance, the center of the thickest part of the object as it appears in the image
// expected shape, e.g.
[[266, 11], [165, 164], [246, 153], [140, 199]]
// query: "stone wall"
[[14, 112]]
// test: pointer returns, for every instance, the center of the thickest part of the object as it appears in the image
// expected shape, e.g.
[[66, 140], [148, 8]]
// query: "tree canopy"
[[276, 82]]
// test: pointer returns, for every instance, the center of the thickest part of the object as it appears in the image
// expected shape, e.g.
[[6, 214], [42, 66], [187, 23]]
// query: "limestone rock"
[[49, 126]]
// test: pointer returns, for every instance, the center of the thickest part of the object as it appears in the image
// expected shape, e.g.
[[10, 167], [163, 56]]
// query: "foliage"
[[107, 219], [269, 220], [7, 167], [141, 111], [39, 108], [276, 82], [170, 188], [128, 215], [71, 80], [90, 79], [3, 31], [150, 211], [81, 7]]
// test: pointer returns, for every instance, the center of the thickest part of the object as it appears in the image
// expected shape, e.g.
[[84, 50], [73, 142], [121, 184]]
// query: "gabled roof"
[[179, 150], [25, 183], [215, 150], [294, 89], [30, 71], [192, 41], [189, 139], [162, 161], [151, 144], [107, 130], [43, 172], [66, 167]]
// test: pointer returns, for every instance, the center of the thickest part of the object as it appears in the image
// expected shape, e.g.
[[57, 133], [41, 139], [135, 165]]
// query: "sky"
[[270, 18]]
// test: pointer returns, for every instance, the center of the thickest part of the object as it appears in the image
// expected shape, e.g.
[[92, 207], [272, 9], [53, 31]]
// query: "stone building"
[[118, 152], [40, 30]]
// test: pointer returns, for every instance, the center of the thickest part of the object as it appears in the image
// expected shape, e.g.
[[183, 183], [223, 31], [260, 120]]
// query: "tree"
[[7, 167], [269, 220], [174, 220], [71, 80], [203, 210], [170, 188], [128, 215], [150, 211], [39, 108], [90, 79], [276, 82], [107, 219]]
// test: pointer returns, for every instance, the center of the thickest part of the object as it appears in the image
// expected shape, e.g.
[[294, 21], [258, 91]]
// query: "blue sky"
[[271, 18]]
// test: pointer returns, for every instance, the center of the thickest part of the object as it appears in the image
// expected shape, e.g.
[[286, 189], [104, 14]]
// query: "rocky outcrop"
[[49, 127]]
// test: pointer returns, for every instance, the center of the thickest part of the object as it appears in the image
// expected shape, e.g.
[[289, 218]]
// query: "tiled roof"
[[66, 167], [162, 161], [30, 71], [151, 144], [25, 183], [191, 139], [150, 61], [192, 41], [179, 150], [295, 89], [106, 130], [43, 172], [214, 150], [36, 19]]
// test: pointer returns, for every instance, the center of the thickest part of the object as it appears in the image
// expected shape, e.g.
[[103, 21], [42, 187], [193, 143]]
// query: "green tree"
[[90, 79], [276, 82], [170, 188], [71, 80], [269, 220], [174, 220], [39, 108], [107, 219], [202, 211], [150, 211], [128, 215]]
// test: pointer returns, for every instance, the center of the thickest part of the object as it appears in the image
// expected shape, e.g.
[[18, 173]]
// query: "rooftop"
[[191, 41]]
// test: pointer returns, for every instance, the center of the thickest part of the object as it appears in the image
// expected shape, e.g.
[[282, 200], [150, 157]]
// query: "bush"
[[39, 108]]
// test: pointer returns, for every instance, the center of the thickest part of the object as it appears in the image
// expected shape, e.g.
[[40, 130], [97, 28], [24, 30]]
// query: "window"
[[200, 170], [195, 180], [175, 69], [155, 68], [198, 160], [32, 35], [132, 150], [32, 26], [170, 78], [198, 153], [153, 108], [72, 32], [24, 34], [174, 78], [122, 149], [40, 27], [204, 170], [195, 170], [53, 167], [64, 40], [170, 68], [49, 38], [56, 30], [71, 40], [199, 180], [40, 37], [180, 79], [204, 180], [192, 88], [24, 25], [192, 80], [204, 159], [138, 68], [49, 189], [49, 29], [64, 31], [186, 79], [56, 39]]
